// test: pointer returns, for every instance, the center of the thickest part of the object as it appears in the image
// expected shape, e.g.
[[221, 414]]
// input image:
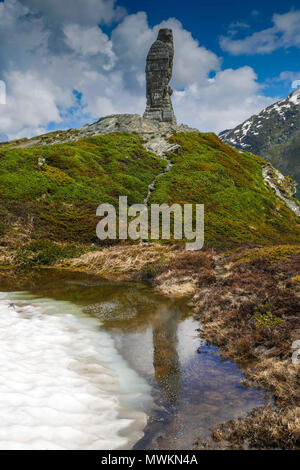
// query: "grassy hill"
[[239, 207], [57, 201]]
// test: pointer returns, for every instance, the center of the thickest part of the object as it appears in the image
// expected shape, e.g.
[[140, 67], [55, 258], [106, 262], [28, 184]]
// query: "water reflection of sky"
[[188, 340]]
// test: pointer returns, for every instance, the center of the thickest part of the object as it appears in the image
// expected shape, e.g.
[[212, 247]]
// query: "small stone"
[[244, 383], [217, 435], [200, 351]]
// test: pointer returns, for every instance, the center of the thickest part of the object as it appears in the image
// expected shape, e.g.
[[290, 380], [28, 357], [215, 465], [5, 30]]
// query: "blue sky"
[[71, 62], [207, 20]]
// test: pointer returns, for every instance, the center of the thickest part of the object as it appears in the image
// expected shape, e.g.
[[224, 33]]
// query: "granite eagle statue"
[[159, 68]]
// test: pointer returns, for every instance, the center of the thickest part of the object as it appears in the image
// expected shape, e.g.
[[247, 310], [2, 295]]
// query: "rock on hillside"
[[154, 133]]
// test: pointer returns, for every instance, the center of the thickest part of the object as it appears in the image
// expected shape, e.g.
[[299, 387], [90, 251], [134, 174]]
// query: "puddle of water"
[[141, 338]]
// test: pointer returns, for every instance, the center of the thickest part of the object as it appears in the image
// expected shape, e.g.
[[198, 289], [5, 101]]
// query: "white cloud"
[[288, 26], [213, 106], [192, 63], [286, 76], [32, 102], [237, 26], [43, 61], [258, 43], [132, 39], [89, 41], [91, 12], [296, 84], [2, 92], [284, 33]]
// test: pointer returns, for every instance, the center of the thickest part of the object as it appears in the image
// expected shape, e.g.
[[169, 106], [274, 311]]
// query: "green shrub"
[[264, 318], [45, 253]]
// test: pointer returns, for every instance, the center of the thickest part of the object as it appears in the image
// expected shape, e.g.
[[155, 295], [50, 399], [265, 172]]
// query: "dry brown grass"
[[6, 257], [265, 427], [281, 377], [181, 273], [121, 259], [174, 271], [228, 309]]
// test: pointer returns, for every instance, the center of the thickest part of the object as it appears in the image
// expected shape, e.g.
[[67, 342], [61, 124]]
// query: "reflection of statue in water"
[[166, 361], [131, 311], [159, 67]]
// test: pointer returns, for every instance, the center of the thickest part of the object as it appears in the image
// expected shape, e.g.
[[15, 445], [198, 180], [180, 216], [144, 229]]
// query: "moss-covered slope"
[[57, 200], [239, 207]]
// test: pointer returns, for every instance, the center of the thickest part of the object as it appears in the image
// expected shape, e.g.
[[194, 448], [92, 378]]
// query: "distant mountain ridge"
[[274, 134]]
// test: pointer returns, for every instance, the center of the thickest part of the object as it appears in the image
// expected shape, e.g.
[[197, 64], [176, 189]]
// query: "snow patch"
[[64, 385], [295, 97]]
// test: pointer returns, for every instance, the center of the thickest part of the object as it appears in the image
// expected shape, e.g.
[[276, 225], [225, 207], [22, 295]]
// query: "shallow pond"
[[92, 364]]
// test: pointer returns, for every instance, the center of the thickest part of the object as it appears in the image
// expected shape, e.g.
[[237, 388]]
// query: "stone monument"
[[159, 67]]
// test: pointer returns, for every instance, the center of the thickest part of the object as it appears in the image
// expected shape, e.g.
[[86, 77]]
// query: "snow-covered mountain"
[[274, 134]]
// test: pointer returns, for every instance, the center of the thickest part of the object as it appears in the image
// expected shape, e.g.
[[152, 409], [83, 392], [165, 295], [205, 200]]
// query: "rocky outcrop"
[[159, 67], [283, 186], [154, 133]]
